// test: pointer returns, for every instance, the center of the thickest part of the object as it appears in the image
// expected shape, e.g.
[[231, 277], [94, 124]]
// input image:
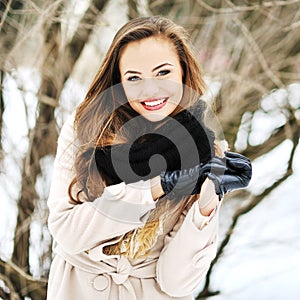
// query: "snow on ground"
[[263, 259]]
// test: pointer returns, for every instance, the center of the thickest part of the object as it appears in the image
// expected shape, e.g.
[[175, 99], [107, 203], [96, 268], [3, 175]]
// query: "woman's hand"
[[229, 173], [237, 174], [188, 181]]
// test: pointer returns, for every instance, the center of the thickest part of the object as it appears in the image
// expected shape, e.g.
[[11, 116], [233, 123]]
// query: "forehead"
[[148, 52]]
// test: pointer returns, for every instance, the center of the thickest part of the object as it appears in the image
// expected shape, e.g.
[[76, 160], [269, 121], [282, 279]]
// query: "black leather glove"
[[237, 175], [188, 181]]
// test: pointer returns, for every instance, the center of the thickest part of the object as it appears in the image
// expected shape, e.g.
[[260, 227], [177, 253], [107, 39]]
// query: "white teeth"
[[154, 103]]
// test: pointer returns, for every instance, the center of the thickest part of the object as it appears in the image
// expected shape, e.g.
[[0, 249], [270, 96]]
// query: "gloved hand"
[[237, 174], [188, 181]]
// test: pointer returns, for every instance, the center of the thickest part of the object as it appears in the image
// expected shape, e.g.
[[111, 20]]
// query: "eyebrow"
[[154, 69]]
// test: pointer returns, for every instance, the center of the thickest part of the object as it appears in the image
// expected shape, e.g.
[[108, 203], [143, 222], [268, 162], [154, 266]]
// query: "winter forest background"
[[250, 54]]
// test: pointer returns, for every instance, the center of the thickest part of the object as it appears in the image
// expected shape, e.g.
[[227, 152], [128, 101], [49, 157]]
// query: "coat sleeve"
[[189, 249], [77, 228]]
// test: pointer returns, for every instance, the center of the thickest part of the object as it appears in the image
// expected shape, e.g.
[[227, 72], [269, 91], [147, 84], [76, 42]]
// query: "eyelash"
[[133, 78], [160, 74], [165, 72]]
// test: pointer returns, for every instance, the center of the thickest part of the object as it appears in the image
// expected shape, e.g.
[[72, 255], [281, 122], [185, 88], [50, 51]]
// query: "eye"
[[133, 78], [163, 72]]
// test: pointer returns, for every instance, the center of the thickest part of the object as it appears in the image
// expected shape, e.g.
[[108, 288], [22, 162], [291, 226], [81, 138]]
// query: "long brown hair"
[[97, 119]]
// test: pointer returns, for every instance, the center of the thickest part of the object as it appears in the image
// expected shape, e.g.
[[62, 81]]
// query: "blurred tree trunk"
[[57, 67], [8, 34], [1, 111]]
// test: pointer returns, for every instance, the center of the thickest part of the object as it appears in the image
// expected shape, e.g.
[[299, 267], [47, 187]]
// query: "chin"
[[154, 117]]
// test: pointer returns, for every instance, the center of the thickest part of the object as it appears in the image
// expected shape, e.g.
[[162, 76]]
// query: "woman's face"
[[151, 75]]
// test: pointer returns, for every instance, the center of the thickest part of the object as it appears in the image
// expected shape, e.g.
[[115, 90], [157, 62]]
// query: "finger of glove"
[[180, 182], [231, 182], [217, 169], [185, 188], [192, 172], [186, 182], [228, 183], [238, 163], [216, 164], [229, 154], [168, 181], [243, 175]]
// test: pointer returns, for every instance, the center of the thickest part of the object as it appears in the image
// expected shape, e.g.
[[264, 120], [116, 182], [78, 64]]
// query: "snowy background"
[[262, 260]]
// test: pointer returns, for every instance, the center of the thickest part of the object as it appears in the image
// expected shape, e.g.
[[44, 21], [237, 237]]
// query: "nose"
[[150, 87]]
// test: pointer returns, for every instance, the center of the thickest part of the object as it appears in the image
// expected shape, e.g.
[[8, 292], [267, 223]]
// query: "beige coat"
[[80, 270]]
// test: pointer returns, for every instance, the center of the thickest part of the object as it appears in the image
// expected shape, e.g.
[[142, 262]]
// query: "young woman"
[[138, 179]]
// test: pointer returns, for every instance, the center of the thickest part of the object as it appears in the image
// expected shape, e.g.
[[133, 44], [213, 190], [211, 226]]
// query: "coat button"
[[100, 283]]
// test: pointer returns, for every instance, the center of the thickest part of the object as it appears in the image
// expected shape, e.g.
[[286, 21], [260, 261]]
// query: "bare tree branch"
[[1, 111], [4, 14], [277, 137], [254, 200], [132, 9], [161, 7], [293, 26], [8, 35], [13, 295], [15, 276], [258, 53], [235, 8]]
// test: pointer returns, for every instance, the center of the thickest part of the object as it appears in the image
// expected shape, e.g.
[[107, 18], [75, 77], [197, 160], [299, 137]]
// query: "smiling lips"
[[155, 104]]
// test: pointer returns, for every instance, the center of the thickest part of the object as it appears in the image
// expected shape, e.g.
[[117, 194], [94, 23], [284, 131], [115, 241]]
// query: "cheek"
[[131, 92], [174, 89], [180, 90], [135, 106]]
